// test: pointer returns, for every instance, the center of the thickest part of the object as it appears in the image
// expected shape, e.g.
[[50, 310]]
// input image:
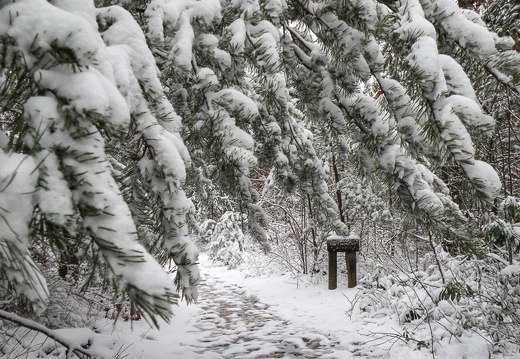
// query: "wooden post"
[[350, 258], [348, 245], [333, 270]]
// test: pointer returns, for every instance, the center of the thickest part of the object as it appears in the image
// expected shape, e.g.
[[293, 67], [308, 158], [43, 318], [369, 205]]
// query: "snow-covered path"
[[237, 318], [236, 324]]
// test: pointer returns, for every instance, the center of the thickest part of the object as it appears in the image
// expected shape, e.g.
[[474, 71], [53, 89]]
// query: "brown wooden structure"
[[348, 245]]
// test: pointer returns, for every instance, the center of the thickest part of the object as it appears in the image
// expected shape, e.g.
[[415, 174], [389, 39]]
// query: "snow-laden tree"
[[92, 163], [104, 108], [257, 81]]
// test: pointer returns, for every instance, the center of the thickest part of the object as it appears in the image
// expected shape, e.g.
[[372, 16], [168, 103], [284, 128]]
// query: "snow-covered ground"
[[278, 317]]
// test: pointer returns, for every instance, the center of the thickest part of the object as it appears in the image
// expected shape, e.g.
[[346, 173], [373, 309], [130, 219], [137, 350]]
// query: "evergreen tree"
[[91, 153], [306, 65]]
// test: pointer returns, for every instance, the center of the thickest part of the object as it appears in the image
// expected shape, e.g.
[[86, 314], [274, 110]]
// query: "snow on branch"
[[91, 88], [18, 273], [451, 117], [472, 35], [80, 341]]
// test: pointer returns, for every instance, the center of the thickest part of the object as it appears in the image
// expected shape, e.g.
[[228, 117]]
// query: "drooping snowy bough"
[[313, 65], [94, 160]]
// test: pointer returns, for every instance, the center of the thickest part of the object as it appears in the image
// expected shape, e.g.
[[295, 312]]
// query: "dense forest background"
[[135, 133]]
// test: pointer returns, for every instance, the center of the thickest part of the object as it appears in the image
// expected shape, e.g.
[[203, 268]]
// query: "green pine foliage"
[[92, 161]]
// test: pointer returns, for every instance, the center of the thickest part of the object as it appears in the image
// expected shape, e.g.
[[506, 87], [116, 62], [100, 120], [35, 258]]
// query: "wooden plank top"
[[342, 244]]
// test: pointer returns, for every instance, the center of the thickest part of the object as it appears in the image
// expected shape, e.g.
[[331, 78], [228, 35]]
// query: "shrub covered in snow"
[[226, 239], [452, 299]]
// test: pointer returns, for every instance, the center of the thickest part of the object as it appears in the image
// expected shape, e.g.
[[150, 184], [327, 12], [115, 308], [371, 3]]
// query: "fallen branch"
[[59, 338]]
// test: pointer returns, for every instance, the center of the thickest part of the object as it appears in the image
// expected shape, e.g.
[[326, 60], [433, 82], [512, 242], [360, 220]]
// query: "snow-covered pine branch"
[[451, 115], [84, 96], [158, 125]]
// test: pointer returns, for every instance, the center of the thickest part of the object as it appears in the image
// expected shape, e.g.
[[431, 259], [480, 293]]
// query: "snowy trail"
[[245, 318], [237, 324]]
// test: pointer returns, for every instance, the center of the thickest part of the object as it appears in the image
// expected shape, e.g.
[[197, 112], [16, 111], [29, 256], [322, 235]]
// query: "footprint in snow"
[[237, 325]]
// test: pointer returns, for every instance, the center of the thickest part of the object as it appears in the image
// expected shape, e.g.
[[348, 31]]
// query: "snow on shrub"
[[227, 240], [435, 307]]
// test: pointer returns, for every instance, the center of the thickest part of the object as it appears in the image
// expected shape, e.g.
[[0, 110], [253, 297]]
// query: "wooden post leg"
[[333, 270], [350, 257]]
